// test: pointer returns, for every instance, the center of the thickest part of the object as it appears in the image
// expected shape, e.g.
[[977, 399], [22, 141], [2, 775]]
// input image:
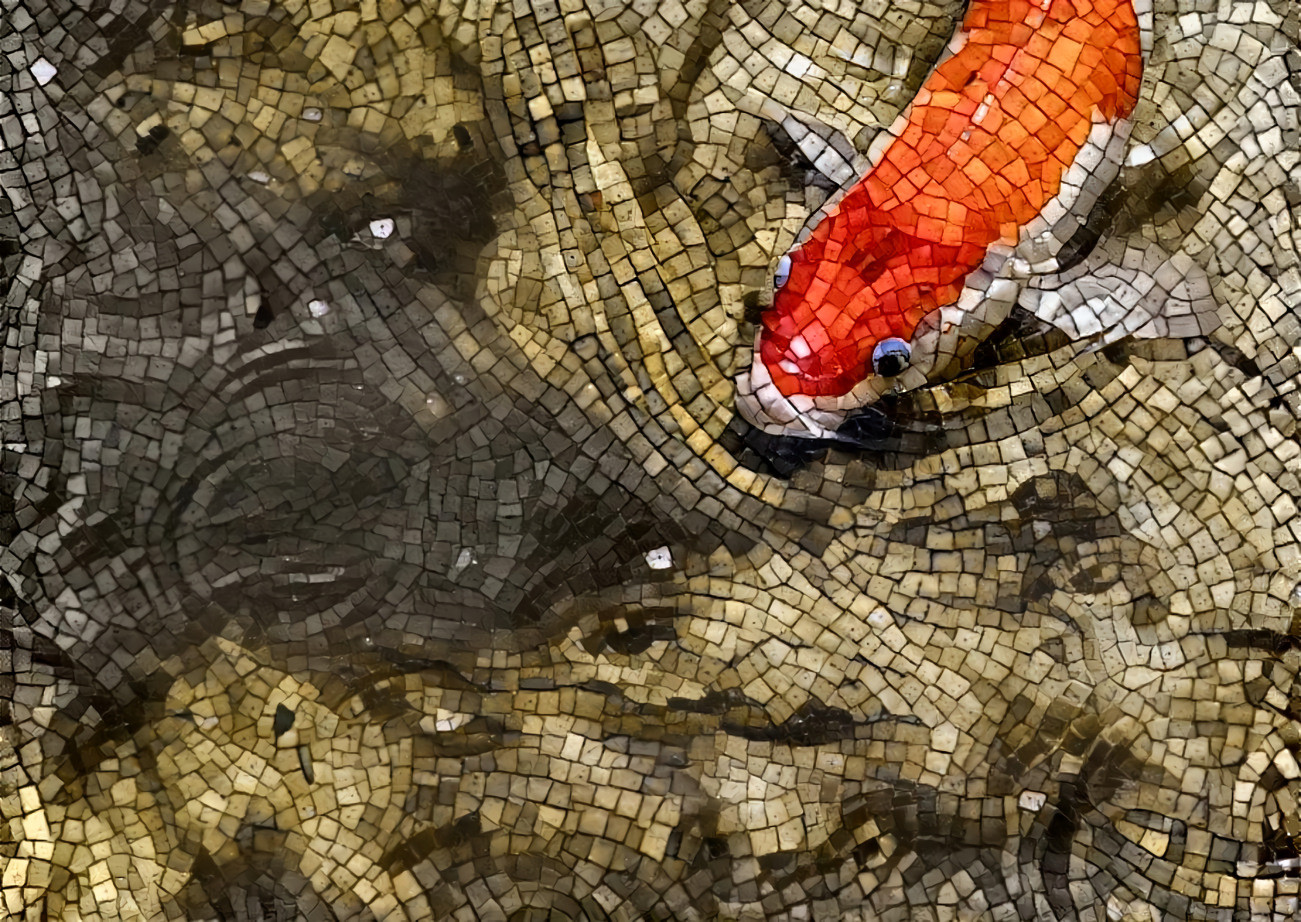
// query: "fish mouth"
[[762, 404], [797, 371]]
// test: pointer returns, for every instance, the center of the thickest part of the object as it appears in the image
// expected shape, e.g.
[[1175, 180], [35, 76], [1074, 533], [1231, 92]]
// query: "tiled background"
[[400, 517]]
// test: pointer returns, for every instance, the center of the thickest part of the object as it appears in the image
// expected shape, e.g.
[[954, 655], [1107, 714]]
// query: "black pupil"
[[891, 364]]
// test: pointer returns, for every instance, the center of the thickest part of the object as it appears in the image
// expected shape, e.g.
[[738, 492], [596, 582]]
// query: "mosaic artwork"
[[527, 460]]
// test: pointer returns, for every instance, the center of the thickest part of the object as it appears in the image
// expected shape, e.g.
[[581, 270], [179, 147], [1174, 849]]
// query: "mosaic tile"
[[576, 460]]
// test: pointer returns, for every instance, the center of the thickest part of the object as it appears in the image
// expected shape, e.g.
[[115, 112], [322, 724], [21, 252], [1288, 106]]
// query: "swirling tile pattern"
[[405, 513]]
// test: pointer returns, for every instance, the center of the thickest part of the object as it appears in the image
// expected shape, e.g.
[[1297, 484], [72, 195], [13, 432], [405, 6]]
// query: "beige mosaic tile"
[[585, 460]]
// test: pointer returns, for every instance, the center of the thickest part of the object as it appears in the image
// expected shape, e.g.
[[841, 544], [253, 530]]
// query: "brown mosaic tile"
[[583, 460]]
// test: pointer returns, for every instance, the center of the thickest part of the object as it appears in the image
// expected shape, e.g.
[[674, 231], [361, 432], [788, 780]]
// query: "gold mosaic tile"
[[600, 460]]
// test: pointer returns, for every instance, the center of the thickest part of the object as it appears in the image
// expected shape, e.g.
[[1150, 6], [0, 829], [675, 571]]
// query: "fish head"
[[835, 342], [830, 328]]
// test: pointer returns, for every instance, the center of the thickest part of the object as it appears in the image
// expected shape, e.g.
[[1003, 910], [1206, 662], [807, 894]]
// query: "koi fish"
[[1011, 138]]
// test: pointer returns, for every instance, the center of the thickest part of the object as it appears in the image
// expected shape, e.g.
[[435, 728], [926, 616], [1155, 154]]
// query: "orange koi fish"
[[979, 155]]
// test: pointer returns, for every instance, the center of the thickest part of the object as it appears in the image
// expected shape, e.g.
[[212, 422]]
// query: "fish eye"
[[891, 356], [783, 272]]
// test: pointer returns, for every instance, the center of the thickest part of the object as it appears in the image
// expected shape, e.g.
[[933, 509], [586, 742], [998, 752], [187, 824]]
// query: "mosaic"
[[650, 460]]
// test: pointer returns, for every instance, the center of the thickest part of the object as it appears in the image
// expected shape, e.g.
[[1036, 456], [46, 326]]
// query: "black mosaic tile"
[[625, 461]]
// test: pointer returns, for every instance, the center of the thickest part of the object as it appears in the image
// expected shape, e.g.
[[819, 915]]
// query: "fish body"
[[982, 151]]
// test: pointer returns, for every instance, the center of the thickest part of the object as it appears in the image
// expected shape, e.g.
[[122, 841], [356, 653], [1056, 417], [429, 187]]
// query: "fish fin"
[[1084, 183], [1125, 288]]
